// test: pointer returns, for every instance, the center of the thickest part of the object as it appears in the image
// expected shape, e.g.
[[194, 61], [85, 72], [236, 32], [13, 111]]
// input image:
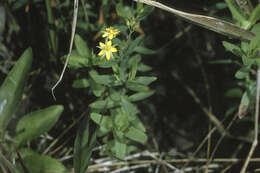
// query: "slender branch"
[[73, 29]]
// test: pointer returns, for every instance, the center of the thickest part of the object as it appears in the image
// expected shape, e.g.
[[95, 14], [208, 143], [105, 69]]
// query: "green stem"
[[52, 34]]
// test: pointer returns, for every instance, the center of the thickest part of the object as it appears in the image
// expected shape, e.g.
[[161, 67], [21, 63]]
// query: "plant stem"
[[52, 34]]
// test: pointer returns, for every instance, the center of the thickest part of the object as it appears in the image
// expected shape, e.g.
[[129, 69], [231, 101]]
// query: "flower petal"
[[111, 36], [101, 53], [105, 35], [108, 55], [109, 43], [113, 49], [102, 45]]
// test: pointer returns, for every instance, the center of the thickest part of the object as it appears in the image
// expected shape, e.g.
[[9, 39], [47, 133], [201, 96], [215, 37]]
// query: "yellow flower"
[[110, 33], [106, 49]]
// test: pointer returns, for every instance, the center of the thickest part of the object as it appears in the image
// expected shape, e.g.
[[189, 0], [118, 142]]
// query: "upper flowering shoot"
[[106, 49], [110, 33]]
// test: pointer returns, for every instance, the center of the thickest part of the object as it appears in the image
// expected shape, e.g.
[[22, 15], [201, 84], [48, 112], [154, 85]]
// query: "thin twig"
[[254, 144], [207, 88], [7, 164], [221, 138], [73, 29], [128, 168], [152, 155], [25, 169], [107, 165], [64, 133]]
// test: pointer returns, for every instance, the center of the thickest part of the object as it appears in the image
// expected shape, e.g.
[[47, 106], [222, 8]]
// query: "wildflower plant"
[[249, 53], [115, 79]]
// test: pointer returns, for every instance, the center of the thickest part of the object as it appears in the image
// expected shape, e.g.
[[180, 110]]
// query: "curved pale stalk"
[[211, 23]]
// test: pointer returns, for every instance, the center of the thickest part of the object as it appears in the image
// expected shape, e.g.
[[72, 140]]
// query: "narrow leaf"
[[136, 135], [144, 50], [36, 123], [102, 79], [121, 149], [81, 46], [42, 164], [140, 96], [136, 87], [80, 83], [83, 146], [255, 16], [232, 48], [244, 105], [77, 61], [12, 88], [145, 80]]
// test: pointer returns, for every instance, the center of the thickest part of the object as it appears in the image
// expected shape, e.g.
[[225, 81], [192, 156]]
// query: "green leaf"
[[144, 50], [140, 96], [77, 61], [134, 44], [254, 16], [257, 61], [105, 123], [124, 11], [242, 73], [103, 104], [128, 107], [244, 105], [133, 65], [81, 46], [81, 83], [143, 11], [217, 6], [222, 61], [244, 46], [232, 48], [102, 79], [36, 123], [12, 88], [143, 67], [96, 88], [236, 12], [136, 87], [234, 93], [115, 95], [136, 135], [137, 123], [144, 80], [121, 121], [83, 146], [121, 150], [255, 42], [41, 164]]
